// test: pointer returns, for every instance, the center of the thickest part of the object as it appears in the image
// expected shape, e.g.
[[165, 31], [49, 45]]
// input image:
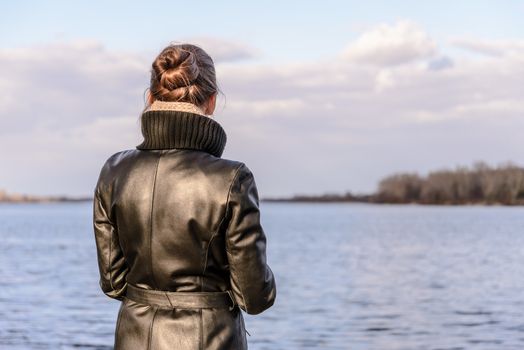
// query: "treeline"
[[329, 197], [478, 184], [26, 198]]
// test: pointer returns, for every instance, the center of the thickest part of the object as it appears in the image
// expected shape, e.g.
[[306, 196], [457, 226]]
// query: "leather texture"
[[180, 220]]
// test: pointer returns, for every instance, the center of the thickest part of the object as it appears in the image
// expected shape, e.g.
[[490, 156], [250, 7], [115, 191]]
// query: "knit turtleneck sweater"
[[167, 125]]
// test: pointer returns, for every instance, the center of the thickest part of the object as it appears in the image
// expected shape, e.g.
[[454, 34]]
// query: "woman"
[[177, 227]]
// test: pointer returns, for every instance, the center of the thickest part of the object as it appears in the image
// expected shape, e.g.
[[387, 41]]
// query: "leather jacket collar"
[[165, 129]]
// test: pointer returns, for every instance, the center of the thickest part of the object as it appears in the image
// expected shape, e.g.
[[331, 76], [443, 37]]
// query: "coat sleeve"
[[111, 262], [252, 281]]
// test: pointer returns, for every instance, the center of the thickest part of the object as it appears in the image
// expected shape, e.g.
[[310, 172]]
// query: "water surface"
[[349, 276]]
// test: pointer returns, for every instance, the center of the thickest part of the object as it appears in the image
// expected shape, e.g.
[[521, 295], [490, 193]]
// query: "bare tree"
[[480, 184]]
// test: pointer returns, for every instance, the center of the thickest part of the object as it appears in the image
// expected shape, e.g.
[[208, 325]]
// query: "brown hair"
[[183, 73]]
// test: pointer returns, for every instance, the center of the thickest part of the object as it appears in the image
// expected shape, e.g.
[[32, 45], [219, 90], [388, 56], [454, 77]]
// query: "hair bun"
[[176, 69], [183, 72]]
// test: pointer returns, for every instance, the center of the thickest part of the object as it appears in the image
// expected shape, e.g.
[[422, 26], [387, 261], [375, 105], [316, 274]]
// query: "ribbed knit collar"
[[166, 129]]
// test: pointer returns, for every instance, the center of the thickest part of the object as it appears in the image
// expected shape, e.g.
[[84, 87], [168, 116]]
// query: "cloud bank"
[[392, 44], [393, 100]]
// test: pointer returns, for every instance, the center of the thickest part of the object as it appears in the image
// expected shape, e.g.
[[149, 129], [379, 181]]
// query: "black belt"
[[182, 300]]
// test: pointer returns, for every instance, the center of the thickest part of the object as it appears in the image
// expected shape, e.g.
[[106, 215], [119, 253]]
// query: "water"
[[349, 276]]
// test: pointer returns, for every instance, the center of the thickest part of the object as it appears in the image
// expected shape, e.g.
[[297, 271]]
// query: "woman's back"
[[179, 238]]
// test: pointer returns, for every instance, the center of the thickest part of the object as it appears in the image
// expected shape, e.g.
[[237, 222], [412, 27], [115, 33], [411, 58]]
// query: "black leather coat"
[[171, 215]]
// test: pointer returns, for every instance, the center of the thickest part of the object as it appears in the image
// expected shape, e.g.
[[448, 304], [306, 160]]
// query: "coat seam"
[[201, 330], [151, 329], [106, 216], [227, 238], [119, 318], [151, 222], [223, 218], [207, 249], [109, 262]]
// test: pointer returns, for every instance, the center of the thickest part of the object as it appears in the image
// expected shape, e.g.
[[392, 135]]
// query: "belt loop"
[[234, 303]]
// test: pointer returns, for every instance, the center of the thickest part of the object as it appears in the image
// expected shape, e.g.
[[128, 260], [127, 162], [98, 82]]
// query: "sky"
[[319, 97]]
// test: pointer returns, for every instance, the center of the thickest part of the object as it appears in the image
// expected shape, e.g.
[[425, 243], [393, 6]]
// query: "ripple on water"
[[358, 277]]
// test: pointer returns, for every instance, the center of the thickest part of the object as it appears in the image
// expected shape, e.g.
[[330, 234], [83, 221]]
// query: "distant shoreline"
[[321, 199], [372, 200], [479, 185], [24, 198], [367, 199], [43, 201]]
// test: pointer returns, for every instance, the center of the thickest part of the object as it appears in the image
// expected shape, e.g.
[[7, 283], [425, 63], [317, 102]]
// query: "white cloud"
[[63, 85], [504, 110], [384, 80], [391, 44], [439, 63], [490, 47], [290, 106], [223, 50], [303, 127]]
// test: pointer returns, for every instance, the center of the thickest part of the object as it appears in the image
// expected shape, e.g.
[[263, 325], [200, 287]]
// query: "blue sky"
[[282, 30], [334, 94]]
